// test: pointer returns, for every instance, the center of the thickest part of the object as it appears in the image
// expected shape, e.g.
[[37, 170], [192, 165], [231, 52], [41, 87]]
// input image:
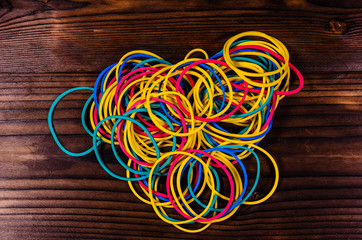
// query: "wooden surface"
[[49, 46]]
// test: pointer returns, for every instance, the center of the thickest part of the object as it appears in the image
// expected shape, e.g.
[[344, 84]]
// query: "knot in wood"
[[338, 26]]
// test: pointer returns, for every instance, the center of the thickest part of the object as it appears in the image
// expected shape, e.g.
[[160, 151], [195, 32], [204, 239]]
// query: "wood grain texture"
[[48, 46]]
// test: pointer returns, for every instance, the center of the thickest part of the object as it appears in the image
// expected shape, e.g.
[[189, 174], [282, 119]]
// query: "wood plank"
[[50, 46], [105, 32]]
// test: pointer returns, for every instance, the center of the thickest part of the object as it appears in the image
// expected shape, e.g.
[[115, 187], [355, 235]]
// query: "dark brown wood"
[[48, 46]]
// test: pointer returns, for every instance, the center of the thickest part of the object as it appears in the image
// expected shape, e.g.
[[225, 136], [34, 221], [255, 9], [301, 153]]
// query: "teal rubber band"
[[98, 156], [117, 155], [51, 124]]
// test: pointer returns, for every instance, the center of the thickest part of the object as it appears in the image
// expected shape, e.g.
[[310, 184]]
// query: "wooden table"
[[48, 46]]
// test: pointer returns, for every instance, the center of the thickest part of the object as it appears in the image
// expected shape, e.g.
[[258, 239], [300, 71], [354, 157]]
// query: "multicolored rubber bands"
[[183, 131]]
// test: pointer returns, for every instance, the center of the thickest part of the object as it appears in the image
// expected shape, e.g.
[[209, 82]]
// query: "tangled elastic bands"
[[183, 131]]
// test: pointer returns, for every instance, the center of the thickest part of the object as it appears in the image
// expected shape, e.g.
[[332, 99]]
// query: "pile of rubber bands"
[[183, 131]]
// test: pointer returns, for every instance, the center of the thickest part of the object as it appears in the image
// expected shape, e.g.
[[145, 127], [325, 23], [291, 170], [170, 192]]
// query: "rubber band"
[[186, 129], [51, 125]]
